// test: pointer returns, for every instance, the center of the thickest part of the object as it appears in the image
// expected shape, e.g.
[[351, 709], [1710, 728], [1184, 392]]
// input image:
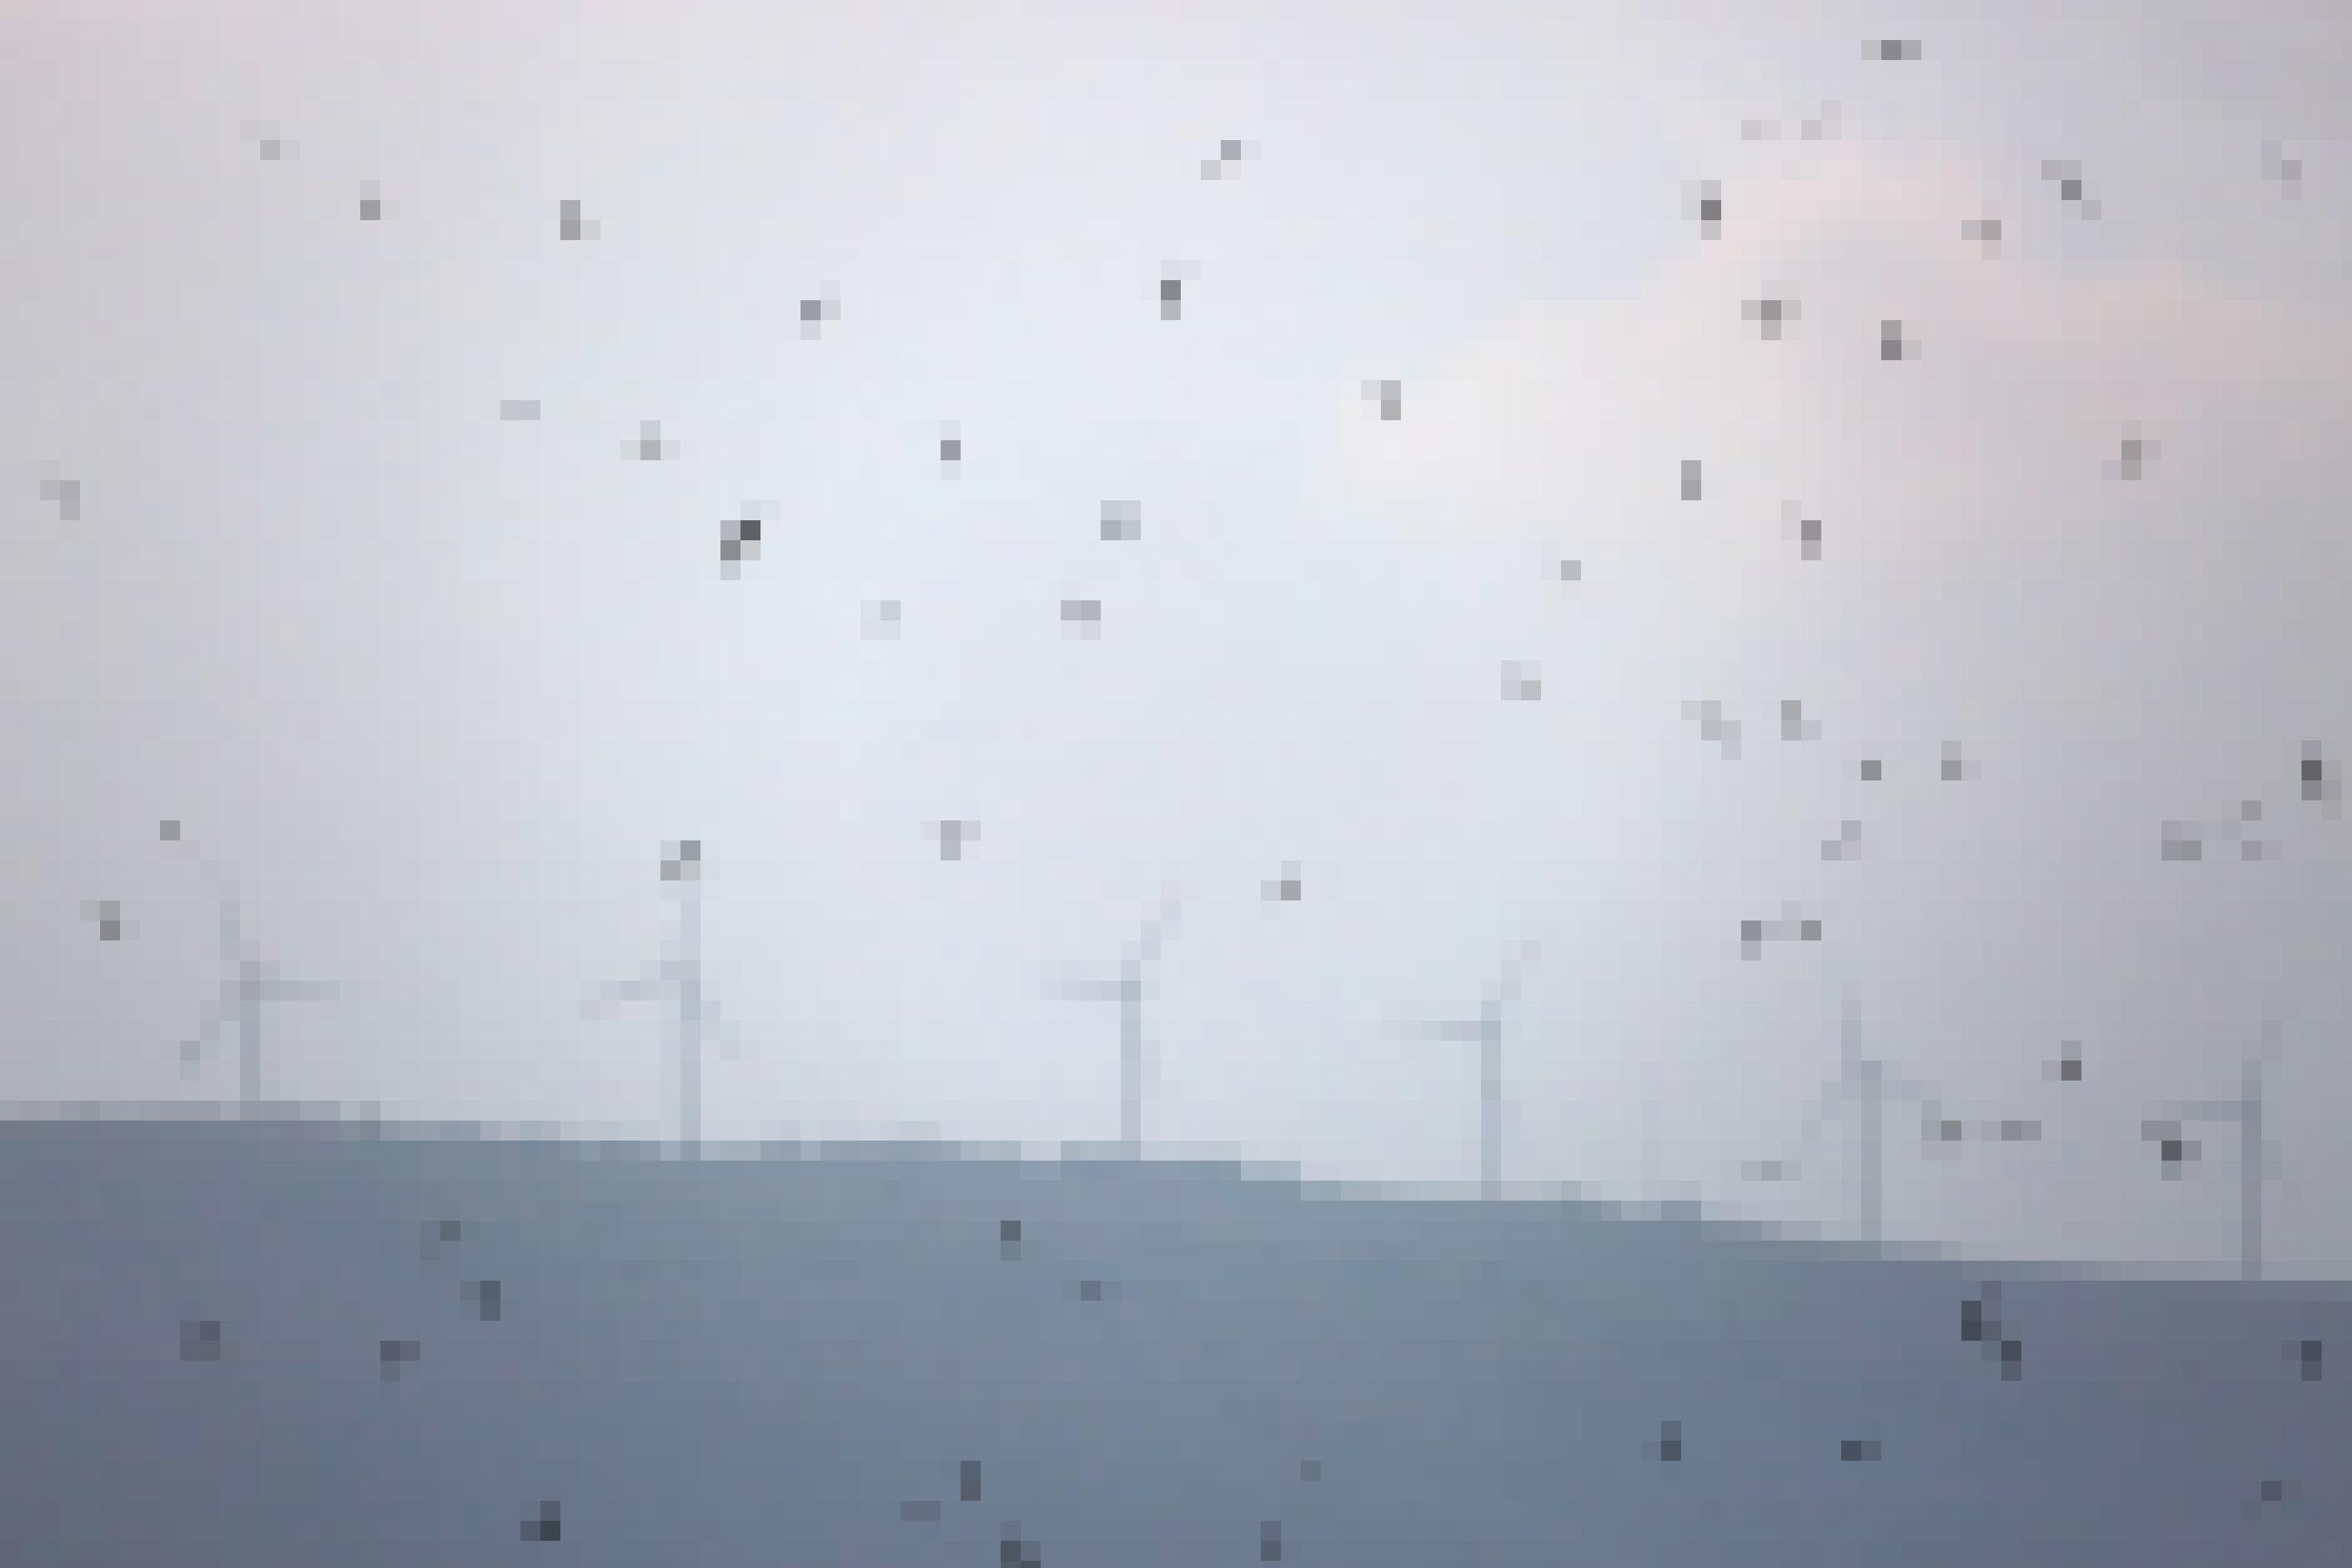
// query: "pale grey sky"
[[437, 686]]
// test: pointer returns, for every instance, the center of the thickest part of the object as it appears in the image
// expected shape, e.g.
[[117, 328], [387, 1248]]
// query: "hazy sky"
[[437, 686]]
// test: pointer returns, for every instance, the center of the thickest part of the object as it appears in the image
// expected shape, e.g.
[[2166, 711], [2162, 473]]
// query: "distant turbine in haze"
[[678, 978], [1865, 1082], [247, 980], [1487, 1031], [2254, 1162], [1123, 983]]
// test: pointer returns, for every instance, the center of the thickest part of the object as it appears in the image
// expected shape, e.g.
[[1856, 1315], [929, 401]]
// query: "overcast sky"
[[437, 686]]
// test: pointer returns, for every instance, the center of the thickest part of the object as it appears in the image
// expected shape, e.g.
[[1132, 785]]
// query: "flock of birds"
[[250, 981]]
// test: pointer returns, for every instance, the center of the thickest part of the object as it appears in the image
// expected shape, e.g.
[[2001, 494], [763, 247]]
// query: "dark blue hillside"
[[789, 1360]]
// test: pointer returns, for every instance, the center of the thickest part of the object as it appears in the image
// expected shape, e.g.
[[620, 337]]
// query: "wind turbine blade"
[[2273, 1039], [1450, 1029], [1083, 983], [1822, 1110], [1922, 1094], [1848, 1032], [215, 1013], [1506, 988], [648, 987], [1147, 948], [302, 990], [715, 1023], [1088, 991], [223, 894], [1931, 1105]]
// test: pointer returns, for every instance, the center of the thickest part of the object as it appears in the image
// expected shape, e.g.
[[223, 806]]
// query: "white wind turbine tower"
[[2254, 1162], [247, 980], [679, 978], [2322, 785], [1486, 1030], [1868, 1085], [1122, 982]]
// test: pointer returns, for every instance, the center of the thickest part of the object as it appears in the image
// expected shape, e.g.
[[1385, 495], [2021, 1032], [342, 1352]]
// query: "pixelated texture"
[[796, 1345], [1230, 151], [1714, 726], [394, 1354], [816, 311], [739, 541], [2066, 176], [1707, 206], [65, 495], [1774, 314], [649, 446], [1806, 530], [1178, 1336], [269, 140], [2282, 167], [200, 1340], [2133, 453]]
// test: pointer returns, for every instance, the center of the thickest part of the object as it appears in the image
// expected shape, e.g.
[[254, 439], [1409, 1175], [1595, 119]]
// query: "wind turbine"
[[1486, 1030], [247, 980], [680, 977], [2322, 785], [2254, 1161], [1123, 983], [1868, 1083]]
